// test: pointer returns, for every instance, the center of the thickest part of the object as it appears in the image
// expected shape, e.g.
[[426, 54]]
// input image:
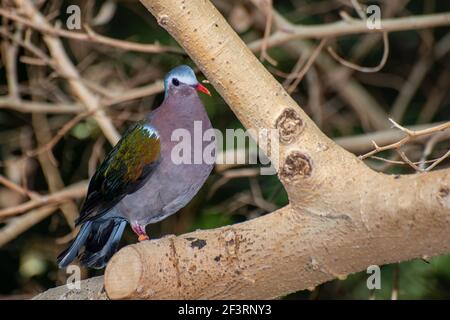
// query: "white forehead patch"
[[185, 78], [183, 74]]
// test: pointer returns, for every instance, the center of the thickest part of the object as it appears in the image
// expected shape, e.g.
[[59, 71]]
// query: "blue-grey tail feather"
[[100, 240], [68, 255], [103, 245]]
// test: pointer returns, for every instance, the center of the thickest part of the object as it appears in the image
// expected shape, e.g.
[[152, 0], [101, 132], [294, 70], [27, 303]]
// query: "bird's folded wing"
[[124, 170]]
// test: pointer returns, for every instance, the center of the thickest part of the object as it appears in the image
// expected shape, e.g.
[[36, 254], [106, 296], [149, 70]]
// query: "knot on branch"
[[289, 125], [163, 20], [232, 242], [297, 166], [444, 196]]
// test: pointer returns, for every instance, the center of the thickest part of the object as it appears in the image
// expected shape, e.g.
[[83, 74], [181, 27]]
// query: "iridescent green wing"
[[128, 165]]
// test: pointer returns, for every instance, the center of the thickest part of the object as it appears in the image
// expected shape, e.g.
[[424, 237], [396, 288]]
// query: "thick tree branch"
[[293, 248], [342, 216], [90, 289]]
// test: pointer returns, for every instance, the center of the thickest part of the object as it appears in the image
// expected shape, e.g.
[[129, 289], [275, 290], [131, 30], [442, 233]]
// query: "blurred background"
[[50, 144]]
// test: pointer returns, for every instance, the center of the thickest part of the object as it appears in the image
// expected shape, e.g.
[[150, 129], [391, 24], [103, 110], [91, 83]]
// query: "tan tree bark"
[[342, 216]]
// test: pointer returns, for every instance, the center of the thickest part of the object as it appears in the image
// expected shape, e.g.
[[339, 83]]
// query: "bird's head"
[[182, 77]]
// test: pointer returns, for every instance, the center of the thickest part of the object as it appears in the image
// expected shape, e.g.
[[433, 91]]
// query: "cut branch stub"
[[297, 166], [289, 125]]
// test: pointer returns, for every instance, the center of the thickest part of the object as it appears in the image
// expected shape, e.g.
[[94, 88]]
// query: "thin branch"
[[9, 54], [359, 9], [90, 36], [60, 134], [18, 225], [267, 8], [38, 107], [410, 135], [438, 161], [299, 76], [343, 28], [409, 162], [74, 191], [363, 142], [15, 187], [356, 67], [135, 93], [421, 162]]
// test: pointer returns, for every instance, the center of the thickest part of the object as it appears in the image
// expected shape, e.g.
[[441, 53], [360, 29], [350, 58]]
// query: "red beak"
[[202, 88]]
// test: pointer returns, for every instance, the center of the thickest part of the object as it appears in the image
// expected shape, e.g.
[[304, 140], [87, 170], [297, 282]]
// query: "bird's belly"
[[168, 189]]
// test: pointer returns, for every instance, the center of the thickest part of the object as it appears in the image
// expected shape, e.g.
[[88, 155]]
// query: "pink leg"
[[140, 231]]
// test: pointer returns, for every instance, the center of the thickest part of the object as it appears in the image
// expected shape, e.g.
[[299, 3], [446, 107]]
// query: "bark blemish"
[[197, 243], [297, 166], [444, 192], [314, 264], [289, 125], [163, 20], [174, 259], [444, 196], [232, 242]]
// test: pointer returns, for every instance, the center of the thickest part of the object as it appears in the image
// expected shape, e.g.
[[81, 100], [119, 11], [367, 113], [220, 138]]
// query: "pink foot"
[[140, 231]]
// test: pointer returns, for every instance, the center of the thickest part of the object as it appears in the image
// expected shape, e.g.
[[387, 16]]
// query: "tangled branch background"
[[65, 96]]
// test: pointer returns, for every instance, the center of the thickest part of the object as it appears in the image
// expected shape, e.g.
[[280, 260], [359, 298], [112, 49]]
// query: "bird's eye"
[[175, 82]]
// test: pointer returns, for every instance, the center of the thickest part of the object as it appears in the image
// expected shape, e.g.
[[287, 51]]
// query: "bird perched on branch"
[[139, 182]]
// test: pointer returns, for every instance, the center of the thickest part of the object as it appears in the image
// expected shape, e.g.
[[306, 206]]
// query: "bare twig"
[[299, 76], [268, 10], [60, 134], [74, 191], [341, 28], [9, 54], [15, 187], [18, 225], [410, 135], [38, 107], [437, 161], [360, 68], [90, 36], [406, 159], [362, 143]]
